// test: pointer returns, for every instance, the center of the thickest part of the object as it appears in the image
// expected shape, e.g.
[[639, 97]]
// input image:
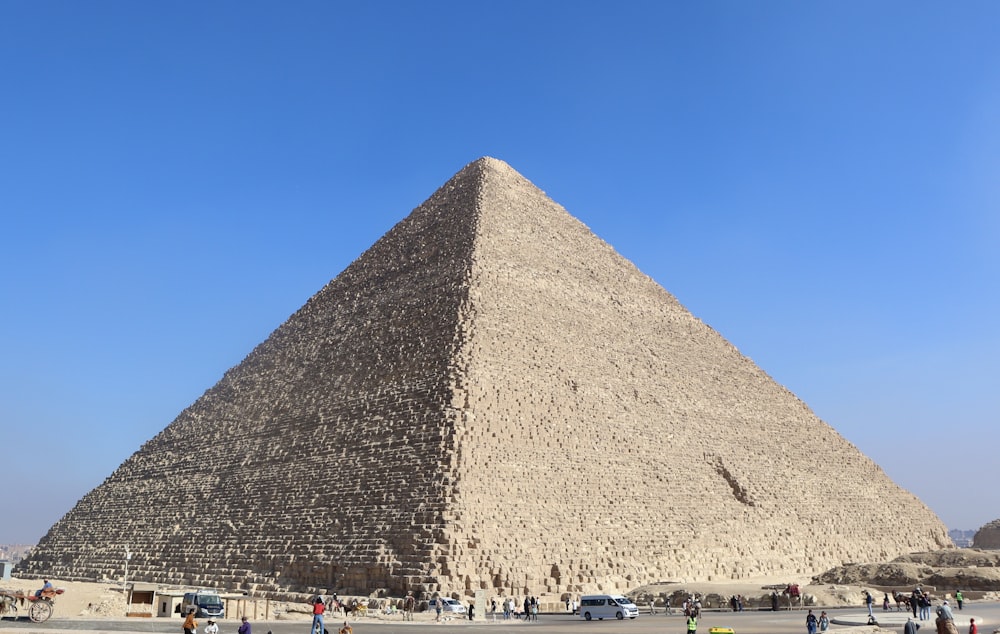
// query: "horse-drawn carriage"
[[40, 604]]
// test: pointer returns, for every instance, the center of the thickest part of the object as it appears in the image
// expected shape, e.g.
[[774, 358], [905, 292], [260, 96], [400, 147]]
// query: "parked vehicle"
[[607, 606], [451, 605], [206, 604]]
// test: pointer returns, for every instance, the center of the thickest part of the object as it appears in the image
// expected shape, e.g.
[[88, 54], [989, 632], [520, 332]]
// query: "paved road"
[[786, 622]]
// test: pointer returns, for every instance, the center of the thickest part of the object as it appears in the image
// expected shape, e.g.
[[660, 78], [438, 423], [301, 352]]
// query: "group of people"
[[920, 602], [319, 608], [527, 610], [190, 625], [817, 624]]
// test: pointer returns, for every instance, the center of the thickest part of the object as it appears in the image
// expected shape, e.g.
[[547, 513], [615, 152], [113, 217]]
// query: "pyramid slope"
[[282, 468], [703, 463], [489, 397]]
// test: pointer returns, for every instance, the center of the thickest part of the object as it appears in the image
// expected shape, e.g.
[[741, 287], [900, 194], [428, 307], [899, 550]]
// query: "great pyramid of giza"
[[490, 397]]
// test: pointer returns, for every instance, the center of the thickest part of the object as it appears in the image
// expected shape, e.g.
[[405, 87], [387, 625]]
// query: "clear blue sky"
[[818, 181]]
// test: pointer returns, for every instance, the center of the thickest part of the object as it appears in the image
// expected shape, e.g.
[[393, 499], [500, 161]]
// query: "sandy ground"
[[97, 600]]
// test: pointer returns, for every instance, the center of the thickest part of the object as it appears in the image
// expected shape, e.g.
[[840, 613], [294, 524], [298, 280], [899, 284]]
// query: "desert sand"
[[97, 600]]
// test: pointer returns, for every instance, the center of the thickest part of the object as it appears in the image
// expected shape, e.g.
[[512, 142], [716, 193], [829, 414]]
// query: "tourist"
[[437, 608], [944, 612], [925, 606], [811, 623], [244, 626], [824, 621], [408, 605], [915, 601], [959, 598], [869, 602], [527, 608], [190, 625], [211, 628], [318, 609], [885, 602], [911, 626], [472, 609]]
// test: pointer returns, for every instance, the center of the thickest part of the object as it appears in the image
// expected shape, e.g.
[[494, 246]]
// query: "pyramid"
[[490, 397]]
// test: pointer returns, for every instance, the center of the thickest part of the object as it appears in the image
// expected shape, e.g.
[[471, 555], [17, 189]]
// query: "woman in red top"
[[318, 608]]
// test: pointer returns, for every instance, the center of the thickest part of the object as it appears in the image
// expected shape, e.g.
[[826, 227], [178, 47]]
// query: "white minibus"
[[607, 606]]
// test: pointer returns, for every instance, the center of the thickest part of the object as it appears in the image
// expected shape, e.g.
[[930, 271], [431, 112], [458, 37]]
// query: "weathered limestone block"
[[490, 398]]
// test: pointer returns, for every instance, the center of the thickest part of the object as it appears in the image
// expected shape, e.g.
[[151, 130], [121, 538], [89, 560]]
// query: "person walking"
[[869, 602], [811, 623], [959, 598], [244, 626], [972, 627], [211, 628], [692, 624], [911, 626], [824, 621]]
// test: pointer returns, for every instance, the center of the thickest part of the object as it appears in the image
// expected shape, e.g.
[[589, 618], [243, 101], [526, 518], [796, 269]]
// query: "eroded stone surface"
[[988, 536], [489, 397]]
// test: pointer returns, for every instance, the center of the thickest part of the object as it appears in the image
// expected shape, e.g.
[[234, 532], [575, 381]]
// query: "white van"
[[607, 606], [451, 605]]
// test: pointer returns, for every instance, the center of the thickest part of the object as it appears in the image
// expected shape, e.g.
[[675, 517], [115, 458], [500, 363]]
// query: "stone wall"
[[489, 397]]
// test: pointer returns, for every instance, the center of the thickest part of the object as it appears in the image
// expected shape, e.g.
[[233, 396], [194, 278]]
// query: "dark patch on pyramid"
[[490, 397]]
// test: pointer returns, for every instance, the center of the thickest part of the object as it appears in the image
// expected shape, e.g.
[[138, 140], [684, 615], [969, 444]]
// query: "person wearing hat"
[[346, 629], [211, 628], [944, 612]]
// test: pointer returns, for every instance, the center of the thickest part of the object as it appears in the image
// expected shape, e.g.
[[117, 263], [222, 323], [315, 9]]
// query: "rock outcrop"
[[988, 536], [961, 568], [490, 397]]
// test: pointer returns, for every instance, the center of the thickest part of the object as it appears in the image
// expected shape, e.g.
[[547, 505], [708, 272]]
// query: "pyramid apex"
[[489, 163]]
